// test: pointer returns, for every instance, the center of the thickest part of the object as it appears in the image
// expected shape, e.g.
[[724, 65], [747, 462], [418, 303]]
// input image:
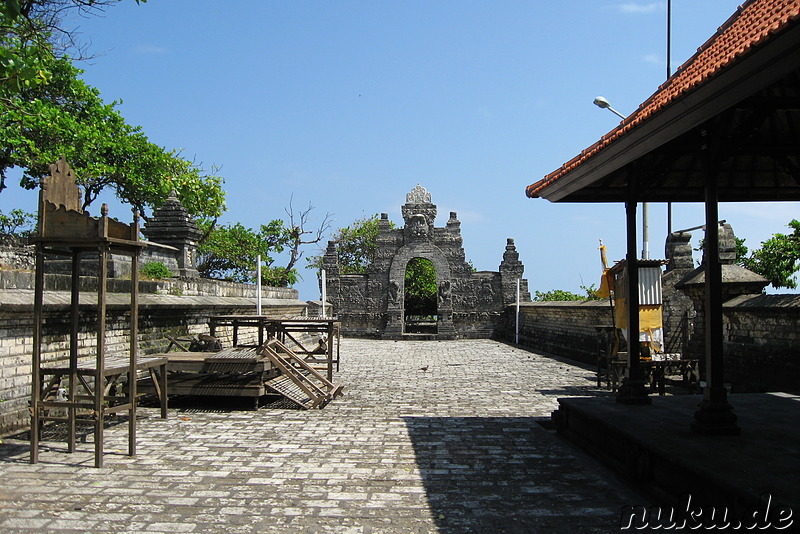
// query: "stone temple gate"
[[466, 303]]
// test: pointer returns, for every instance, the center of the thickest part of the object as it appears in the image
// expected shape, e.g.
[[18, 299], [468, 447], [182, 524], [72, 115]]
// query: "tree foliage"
[[32, 34], [17, 223], [47, 111], [590, 293], [231, 251], [356, 245], [778, 259], [66, 117], [420, 292]]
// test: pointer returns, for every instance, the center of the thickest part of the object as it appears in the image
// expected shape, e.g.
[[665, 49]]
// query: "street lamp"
[[601, 102]]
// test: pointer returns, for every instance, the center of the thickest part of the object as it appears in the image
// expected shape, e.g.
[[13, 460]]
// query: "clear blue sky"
[[349, 104]]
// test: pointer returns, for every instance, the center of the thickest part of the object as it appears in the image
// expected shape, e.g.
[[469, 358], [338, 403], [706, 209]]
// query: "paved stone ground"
[[429, 437]]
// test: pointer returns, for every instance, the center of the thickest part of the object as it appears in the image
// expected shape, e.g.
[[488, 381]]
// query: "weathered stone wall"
[[173, 312], [24, 279], [761, 344], [563, 328]]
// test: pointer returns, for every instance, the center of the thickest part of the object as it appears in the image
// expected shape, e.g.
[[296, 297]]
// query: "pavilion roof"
[[735, 102]]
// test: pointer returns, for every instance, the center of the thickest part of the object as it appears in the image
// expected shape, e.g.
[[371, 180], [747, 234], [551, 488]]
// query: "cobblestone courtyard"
[[428, 437]]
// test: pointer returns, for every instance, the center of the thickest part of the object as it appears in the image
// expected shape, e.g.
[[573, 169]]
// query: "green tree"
[[32, 34], [17, 223], [66, 117], [561, 295], [47, 111], [778, 259], [420, 292], [356, 245], [231, 251]]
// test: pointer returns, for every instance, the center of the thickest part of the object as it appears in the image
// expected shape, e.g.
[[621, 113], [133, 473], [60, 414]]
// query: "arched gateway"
[[468, 304]]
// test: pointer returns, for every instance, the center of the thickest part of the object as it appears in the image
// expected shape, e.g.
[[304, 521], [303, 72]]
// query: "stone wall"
[[563, 328], [761, 344]]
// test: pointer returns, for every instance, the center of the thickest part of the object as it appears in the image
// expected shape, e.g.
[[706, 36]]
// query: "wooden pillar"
[[632, 390], [99, 380], [134, 353], [75, 292], [36, 380], [329, 333], [715, 415]]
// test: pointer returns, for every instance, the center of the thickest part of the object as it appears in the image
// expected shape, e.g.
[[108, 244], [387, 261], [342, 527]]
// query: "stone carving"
[[444, 291], [418, 227], [172, 225], [393, 290], [418, 195]]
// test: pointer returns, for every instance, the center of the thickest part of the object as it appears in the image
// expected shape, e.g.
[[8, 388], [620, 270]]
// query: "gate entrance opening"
[[420, 303]]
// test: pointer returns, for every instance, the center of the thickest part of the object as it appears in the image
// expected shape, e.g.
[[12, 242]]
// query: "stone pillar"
[[511, 270], [172, 225], [679, 312], [736, 280], [679, 251], [330, 263]]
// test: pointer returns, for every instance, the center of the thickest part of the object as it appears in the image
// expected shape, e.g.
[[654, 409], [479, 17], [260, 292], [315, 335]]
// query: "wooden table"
[[114, 368], [54, 396], [285, 330], [657, 371]]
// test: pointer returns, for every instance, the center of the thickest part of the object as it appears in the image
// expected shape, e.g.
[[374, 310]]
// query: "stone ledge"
[[21, 300]]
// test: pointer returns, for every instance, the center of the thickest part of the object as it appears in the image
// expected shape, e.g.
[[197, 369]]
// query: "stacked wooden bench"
[[233, 372]]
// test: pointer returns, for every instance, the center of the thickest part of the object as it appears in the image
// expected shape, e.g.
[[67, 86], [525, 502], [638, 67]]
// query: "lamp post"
[[601, 102]]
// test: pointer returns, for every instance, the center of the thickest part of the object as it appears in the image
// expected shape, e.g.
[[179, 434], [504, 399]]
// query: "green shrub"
[[155, 270], [561, 295]]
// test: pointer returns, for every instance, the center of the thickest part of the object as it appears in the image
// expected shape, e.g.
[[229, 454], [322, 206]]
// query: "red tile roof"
[[754, 22]]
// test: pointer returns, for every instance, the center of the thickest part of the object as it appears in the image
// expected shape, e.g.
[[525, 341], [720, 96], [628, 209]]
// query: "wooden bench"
[[114, 368]]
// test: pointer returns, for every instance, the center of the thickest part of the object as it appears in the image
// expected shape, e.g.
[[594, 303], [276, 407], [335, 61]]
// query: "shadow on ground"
[[507, 475]]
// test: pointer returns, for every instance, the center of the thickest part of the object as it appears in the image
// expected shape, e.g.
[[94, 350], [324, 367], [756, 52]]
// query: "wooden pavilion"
[[724, 128]]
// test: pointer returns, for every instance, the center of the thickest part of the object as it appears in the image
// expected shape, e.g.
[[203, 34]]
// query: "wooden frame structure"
[[65, 230], [285, 330]]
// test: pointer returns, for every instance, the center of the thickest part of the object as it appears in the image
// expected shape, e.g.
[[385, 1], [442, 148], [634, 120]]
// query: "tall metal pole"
[[258, 277], [669, 73], [645, 231], [516, 336], [324, 293]]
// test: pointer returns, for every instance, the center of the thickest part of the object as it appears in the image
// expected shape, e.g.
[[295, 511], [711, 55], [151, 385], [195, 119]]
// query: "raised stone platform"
[[654, 446]]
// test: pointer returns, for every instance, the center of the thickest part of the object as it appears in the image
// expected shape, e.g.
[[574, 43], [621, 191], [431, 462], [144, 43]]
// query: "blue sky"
[[347, 105]]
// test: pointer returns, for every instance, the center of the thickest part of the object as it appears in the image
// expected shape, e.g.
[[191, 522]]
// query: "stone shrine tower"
[[172, 225], [468, 304]]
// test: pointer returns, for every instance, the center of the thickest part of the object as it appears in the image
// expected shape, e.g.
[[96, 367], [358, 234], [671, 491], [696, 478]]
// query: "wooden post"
[[36, 386], [134, 352], [73, 349], [632, 389], [715, 416]]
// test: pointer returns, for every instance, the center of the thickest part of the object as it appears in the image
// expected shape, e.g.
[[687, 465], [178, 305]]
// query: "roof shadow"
[[509, 475]]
